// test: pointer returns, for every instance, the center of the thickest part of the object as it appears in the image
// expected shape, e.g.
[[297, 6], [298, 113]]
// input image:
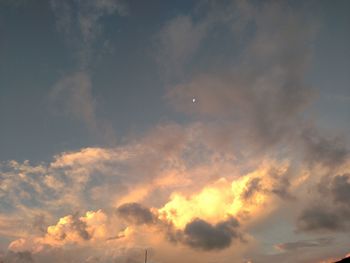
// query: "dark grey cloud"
[[253, 186], [281, 188], [334, 213], [340, 189], [323, 150], [136, 214], [202, 235], [197, 234], [281, 184], [321, 218], [80, 226], [291, 246]]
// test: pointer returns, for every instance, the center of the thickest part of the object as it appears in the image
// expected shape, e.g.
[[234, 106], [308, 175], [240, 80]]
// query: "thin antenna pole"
[[146, 256]]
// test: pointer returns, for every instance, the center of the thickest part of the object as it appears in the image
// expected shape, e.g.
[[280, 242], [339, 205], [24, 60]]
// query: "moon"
[[194, 100]]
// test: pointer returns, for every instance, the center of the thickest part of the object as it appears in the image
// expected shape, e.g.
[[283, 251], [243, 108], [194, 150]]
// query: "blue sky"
[[127, 79]]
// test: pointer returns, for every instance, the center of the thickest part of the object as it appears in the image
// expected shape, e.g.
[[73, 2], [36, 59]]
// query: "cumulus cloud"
[[70, 179], [200, 234], [69, 230], [197, 234], [136, 214]]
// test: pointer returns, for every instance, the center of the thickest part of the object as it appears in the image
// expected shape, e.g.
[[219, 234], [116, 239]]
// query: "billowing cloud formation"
[[197, 234], [192, 200], [69, 230], [200, 234], [135, 213]]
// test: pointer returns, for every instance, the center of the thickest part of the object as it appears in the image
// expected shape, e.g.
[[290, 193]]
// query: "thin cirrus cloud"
[[79, 22]]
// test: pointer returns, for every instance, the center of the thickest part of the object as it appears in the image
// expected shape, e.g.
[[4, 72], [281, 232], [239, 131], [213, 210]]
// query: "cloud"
[[341, 189], [323, 150], [136, 214], [178, 40], [17, 257], [202, 235], [198, 219], [79, 21], [73, 95], [304, 244], [197, 234], [174, 170], [282, 183], [261, 95], [253, 186], [39, 223], [334, 214], [69, 230], [181, 38], [76, 254], [240, 161], [319, 218]]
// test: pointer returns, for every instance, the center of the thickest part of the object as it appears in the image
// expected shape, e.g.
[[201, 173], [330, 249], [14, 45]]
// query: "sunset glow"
[[174, 131]]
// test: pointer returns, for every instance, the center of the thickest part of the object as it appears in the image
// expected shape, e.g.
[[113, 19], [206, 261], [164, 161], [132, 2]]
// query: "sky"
[[200, 131]]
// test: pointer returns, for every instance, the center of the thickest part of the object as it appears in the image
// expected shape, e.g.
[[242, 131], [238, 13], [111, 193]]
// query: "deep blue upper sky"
[[128, 85]]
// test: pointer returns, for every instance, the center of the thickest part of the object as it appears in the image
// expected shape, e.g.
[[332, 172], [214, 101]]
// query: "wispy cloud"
[[80, 25]]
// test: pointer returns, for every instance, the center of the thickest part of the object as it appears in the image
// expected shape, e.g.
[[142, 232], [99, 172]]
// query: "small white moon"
[[194, 100]]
